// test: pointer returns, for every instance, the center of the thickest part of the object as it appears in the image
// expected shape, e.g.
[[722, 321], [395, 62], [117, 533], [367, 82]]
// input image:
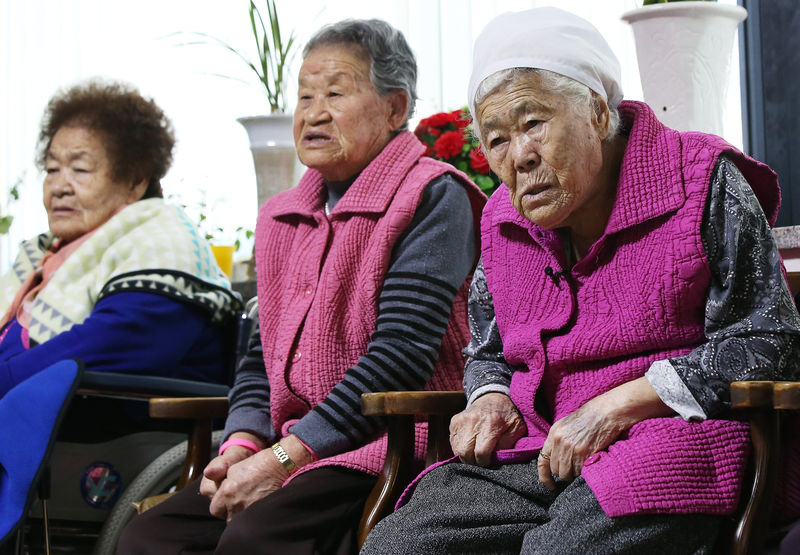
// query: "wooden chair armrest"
[[786, 395], [746, 395], [189, 408], [445, 403], [777, 395]]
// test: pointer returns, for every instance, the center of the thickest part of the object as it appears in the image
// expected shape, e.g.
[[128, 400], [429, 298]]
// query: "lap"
[[317, 512], [469, 509]]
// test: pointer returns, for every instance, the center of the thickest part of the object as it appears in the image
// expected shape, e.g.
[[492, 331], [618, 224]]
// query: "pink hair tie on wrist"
[[246, 443]]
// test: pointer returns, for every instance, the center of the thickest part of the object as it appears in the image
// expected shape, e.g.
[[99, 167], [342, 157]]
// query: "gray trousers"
[[459, 508]]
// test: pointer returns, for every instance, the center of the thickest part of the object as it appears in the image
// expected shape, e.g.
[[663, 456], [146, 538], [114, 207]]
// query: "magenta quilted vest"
[[319, 279], [636, 297]]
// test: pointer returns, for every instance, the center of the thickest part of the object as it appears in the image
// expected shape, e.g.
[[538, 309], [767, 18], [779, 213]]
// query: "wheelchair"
[[96, 472]]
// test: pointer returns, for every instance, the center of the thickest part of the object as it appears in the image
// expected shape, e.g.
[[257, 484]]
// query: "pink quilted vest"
[[637, 296], [319, 278]]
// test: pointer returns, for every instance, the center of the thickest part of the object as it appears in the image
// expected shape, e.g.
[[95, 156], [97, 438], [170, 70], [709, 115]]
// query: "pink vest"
[[319, 278], [636, 297]]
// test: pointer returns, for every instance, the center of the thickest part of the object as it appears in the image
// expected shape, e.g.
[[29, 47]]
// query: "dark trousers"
[[318, 512], [462, 509]]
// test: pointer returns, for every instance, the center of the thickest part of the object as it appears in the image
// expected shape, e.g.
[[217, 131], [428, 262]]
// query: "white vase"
[[684, 53], [274, 156]]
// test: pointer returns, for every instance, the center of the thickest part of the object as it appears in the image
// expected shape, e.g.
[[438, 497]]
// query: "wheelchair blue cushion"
[[30, 415]]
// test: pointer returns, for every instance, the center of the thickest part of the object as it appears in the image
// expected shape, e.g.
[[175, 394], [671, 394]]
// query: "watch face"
[[101, 485]]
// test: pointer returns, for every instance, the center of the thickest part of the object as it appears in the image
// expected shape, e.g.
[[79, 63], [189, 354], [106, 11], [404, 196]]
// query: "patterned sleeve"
[[751, 323], [486, 370]]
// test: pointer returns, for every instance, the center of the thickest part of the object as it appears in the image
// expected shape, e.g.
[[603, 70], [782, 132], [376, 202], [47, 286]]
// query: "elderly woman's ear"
[[398, 108], [601, 116], [137, 190]]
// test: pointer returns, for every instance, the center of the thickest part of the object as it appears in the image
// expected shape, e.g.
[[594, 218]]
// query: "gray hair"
[[392, 65], [553, 82]]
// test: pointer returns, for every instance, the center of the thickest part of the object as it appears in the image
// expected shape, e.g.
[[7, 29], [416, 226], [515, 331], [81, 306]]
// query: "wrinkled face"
[[547, 149], [341, 122], [79, 191]]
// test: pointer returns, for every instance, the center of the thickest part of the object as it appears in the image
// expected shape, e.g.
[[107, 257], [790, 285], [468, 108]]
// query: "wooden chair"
[[743, 533], [143, 388]]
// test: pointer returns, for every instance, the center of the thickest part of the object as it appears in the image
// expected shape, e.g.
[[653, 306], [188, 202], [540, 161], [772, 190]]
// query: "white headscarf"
[[546, 38]]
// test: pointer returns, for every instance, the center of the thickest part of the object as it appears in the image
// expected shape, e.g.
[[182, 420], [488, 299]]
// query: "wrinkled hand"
[[492, 422], [246, 482], [594, 426], [217, 470]]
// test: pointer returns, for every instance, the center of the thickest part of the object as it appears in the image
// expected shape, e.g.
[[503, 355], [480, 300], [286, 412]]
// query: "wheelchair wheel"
[[158, 477]]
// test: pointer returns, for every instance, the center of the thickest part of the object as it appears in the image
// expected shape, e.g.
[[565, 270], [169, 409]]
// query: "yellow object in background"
[[224, 256]]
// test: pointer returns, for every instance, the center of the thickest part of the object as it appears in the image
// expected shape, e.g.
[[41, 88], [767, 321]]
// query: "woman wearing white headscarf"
[[628, 276]]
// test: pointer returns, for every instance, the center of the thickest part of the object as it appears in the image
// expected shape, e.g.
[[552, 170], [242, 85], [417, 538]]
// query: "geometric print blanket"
[[149, 246]]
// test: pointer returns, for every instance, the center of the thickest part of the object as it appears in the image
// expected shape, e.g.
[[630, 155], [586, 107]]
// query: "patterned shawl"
[[148, 247]]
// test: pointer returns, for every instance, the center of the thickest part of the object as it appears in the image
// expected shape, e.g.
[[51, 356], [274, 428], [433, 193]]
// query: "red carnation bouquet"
[[448, 136]]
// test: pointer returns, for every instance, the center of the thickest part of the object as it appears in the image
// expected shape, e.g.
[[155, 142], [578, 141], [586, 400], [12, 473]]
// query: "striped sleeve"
[[430, 262], [249, 397]]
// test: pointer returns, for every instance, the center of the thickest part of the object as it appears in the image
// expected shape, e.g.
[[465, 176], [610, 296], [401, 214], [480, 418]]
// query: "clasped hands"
[[238, 478], [492, 422]]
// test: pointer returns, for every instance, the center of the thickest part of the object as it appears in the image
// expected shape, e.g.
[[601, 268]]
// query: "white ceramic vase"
[[274, 156], [684, 53]]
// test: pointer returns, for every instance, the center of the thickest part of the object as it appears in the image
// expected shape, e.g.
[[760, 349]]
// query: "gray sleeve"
[[249, 397], [486, 370], [751, 323], [429, 264]]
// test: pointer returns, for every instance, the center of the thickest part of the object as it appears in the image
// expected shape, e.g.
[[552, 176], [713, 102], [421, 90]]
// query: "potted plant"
[[271, 140], [684, 51]]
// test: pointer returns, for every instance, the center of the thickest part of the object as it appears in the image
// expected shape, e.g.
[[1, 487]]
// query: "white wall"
[[49, 44]]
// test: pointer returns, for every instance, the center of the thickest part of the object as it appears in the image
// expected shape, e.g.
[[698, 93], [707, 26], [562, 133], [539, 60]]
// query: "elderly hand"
[[594, 427], [217, 470], [492, 422], [248, 481], [254, 478]]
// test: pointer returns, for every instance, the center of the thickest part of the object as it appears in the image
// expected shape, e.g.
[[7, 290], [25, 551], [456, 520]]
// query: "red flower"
[[462, 119], [449, 144], [478, 161], [440, 120]]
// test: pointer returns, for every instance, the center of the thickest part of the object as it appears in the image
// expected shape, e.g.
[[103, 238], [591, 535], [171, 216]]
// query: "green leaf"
[[5, 224], [485, 183], [274, 53]]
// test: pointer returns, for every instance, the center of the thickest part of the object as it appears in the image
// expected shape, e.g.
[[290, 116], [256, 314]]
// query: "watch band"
[[284, 458]]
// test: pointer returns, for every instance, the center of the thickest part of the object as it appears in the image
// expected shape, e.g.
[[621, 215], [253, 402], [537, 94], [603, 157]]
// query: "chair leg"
[[392, 481], [44, 495], [751, 529], [198, 452]]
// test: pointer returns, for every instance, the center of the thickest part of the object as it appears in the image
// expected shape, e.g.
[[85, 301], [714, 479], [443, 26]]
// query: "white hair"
[[552, 82]]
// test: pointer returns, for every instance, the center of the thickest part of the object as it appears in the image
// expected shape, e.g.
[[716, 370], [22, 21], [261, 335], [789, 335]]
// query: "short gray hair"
[[392, 64], [553, 82]]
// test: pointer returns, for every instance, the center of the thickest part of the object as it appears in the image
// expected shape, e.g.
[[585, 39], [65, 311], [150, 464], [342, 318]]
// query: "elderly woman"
[[627, 276], [122, 280], [358, 269]]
